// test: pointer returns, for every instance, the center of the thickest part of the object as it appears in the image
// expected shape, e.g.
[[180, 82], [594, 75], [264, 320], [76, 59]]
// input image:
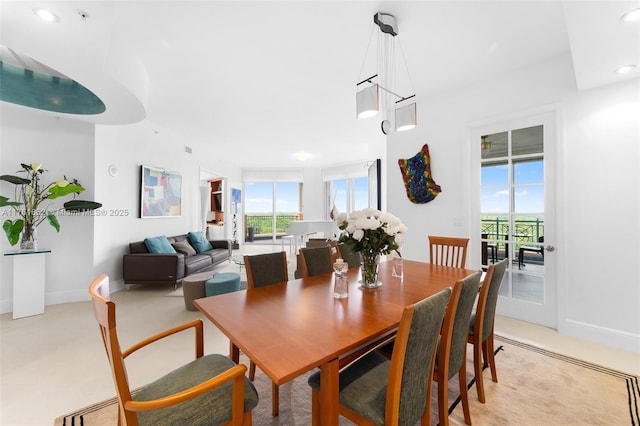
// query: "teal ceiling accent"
[[42, 90]]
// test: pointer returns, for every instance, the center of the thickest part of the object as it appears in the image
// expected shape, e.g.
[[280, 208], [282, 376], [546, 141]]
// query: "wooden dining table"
[[291, 328]]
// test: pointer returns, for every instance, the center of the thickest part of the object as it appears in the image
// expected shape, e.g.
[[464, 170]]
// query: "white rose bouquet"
[[370, 231]]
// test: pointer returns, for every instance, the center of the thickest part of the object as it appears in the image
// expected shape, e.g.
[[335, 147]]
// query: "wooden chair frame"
[[105, 313], [483, 350], [275, 389], [448, 251]]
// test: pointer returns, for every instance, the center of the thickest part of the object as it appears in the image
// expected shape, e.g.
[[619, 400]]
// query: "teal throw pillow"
[[199, 242], [159, 245]]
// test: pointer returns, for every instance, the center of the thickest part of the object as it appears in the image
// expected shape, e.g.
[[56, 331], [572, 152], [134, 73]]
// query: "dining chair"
[[353, 259], [263, 270], [451, 356], [448, 251], [536, 249], [211, 389], [481, 325], [374, 390], [316, 260]]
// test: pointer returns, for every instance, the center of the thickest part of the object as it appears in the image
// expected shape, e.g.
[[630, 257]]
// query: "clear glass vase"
[[29, 240], [369, 270]]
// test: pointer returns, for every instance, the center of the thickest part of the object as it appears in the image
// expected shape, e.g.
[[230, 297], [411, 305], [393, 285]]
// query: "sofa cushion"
[[184, 247], [197, 263], [159, 244], [199, 242]]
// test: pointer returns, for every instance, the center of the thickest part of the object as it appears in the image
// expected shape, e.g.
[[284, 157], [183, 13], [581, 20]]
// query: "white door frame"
[[547, 313]]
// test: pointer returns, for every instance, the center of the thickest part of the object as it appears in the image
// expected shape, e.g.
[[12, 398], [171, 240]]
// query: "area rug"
[[179, 293], [536, 387]]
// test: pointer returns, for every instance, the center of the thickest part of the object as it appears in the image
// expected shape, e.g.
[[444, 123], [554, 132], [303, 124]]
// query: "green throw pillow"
[[184, 247], [199, 242], [159, 245]]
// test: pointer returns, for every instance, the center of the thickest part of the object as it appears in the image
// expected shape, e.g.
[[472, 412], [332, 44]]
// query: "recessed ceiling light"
[[632, 15], [625, 69], [46, 15], [302, 156]]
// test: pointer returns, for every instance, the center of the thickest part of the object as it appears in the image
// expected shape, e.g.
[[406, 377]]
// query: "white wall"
[[598, 277], [64, 148], [128, 147], [602, 210]]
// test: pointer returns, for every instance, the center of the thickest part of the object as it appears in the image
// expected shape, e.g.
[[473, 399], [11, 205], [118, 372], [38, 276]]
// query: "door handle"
[[550, 248]]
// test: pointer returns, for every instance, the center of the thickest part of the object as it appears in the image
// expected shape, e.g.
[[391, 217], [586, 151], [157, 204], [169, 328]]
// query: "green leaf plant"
[[29, 196]]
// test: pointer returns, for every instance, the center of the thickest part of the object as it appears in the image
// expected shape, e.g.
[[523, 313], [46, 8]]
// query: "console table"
[[28, 282]]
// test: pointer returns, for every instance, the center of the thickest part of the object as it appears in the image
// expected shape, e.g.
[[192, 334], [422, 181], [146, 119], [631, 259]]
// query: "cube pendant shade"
[[406, 117], [367, 102]]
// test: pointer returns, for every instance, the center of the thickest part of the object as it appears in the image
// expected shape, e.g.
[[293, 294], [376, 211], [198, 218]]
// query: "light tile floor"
[[55, 363]]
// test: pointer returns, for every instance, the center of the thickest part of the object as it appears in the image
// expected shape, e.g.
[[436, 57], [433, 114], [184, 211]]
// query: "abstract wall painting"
[[160, 193], [416, 174]]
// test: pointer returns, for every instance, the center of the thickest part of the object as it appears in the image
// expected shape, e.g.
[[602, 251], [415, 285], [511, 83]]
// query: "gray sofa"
[[142, 267]]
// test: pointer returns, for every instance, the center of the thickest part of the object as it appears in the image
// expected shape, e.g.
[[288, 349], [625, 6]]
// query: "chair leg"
[[477, 365], [425, 420], [275, 399], [492, 359], [464, 395], [315, 407], [252, 370], [443, 400]]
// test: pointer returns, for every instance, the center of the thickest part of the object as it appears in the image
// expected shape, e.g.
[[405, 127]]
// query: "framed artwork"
[[160, 193]]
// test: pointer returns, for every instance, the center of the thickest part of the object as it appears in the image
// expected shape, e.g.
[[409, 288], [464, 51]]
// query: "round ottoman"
[[224, 282], [193, 288]]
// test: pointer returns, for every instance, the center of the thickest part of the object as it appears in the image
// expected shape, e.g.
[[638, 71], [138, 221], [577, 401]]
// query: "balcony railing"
[[524, 230], [262, 224]]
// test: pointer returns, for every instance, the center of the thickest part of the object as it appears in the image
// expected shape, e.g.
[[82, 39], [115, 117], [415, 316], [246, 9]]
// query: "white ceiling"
[[265, 80]]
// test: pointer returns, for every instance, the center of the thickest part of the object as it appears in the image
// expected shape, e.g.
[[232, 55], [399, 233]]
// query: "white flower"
[[36, 166], [341, 218], [358, 234], [62, 183]]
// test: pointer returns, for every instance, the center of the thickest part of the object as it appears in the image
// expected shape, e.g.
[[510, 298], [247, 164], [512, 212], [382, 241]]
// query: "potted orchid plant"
[[30, 194], [371, 233]]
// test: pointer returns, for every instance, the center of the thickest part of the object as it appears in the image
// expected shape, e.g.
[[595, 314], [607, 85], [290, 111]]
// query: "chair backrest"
[[266, 269], [316, 261], [488, 298], [455, 328], [353, 259], [105, 313], [448, 251], [411, 368]]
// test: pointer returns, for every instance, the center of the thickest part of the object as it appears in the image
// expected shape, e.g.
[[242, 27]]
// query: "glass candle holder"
[[341, 285]]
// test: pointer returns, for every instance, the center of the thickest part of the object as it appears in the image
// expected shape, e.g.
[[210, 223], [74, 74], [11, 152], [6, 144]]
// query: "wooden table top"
[[290, 328]]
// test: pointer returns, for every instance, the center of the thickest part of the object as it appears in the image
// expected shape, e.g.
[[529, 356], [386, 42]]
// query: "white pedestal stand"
[[28, 282]]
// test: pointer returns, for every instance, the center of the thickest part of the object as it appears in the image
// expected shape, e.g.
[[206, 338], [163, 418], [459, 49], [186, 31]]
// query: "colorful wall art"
[[416, 173], [160, 193]]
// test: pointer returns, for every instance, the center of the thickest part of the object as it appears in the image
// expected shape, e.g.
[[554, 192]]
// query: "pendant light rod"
[[402, 98]]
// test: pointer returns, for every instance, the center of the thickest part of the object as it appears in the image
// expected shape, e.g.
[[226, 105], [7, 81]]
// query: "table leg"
[[234, 353], [329, 383]]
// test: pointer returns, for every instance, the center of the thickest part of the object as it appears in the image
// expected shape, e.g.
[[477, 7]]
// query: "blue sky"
[[528, 188]]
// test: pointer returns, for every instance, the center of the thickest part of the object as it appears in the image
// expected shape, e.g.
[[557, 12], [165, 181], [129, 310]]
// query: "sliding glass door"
[[269, 208]]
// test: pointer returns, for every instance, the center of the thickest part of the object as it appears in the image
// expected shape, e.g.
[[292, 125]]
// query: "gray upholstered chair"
[[316, 261], [263, 270], [481, 325], [266, 269], [353, 259], [211, 389], [376, 390], [451, 356]]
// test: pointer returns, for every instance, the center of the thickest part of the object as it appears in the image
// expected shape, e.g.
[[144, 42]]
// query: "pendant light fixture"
[[379, 91]]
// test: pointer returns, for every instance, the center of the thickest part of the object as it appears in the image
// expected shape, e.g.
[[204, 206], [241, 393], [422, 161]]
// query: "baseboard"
[[606, 336], [59, 297]]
